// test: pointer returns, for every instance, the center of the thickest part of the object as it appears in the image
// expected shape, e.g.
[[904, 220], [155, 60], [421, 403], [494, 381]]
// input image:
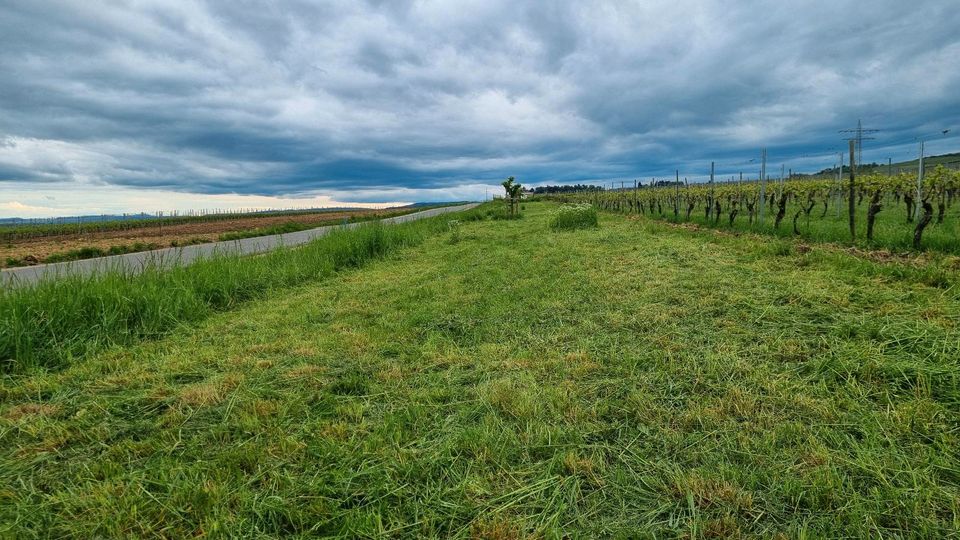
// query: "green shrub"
[[454, 226], [87, 252], [92, 252], [192, 241], [574, 216]]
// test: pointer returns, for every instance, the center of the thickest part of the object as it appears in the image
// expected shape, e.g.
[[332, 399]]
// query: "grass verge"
[[52, 323], [283, 228]]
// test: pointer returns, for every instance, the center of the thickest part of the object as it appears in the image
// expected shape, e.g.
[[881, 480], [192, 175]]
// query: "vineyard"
[[885, 210]]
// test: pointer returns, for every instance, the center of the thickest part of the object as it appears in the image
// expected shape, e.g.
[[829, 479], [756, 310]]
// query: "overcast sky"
[[147, 105]]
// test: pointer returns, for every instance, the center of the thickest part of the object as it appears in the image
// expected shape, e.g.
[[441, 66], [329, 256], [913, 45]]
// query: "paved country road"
[[181, 256]]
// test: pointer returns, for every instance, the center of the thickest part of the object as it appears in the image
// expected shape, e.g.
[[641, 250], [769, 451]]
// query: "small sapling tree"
[[513, 191]]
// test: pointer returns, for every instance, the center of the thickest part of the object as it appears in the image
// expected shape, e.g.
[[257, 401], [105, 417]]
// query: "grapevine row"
[[789, 200]]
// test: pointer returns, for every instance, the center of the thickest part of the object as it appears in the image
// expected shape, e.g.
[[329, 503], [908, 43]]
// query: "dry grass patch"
[[210, 393], [305, 371], [511, 399], [580, 363], [709, 492], [339, 431], [391, 373], [27, 410], [500, 528]]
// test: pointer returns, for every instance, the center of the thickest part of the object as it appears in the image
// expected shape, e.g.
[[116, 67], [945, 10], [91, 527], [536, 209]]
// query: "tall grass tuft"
[[56, 322], [280, 228], [574, 216], [502, 211]]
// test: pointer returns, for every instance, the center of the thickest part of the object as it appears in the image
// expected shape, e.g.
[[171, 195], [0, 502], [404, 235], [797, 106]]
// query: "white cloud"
[[293, 97], [68, 199]]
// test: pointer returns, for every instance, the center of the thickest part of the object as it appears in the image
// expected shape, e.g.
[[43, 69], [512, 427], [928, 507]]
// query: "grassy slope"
[[634, 378], [55, 322]]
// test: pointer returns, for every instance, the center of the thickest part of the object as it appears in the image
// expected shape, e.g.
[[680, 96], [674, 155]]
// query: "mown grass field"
[[502, 380]]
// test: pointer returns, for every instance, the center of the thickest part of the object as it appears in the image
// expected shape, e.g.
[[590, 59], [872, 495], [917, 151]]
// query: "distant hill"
[[143, 215], [566, 188], [420, 204], [929, 162], [949, 160]]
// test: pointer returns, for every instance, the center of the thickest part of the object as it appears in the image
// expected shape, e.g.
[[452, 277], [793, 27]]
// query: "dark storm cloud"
[[297, 97]]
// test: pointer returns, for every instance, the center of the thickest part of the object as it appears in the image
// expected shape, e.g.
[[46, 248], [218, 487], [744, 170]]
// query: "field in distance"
[[502, 380], [67, 242]]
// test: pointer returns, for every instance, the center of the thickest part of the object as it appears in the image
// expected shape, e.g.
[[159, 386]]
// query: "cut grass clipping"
[[574, 216], [55, 322]]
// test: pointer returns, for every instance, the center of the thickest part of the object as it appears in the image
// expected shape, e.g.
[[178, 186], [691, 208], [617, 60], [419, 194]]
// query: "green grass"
[[53, 323], [282, 228], [574, 216], [192, 241], [499, 210], [634, 380], [293, 226], [93, 252]]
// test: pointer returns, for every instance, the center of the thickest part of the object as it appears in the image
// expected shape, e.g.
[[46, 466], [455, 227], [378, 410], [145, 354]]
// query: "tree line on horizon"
[[540, 190]]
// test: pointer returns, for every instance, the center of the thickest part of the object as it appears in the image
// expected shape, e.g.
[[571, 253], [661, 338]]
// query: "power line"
[[915, 138], [860, 130]]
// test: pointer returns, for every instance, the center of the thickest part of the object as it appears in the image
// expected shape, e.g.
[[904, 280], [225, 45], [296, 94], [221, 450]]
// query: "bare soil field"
[[35, 250]]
